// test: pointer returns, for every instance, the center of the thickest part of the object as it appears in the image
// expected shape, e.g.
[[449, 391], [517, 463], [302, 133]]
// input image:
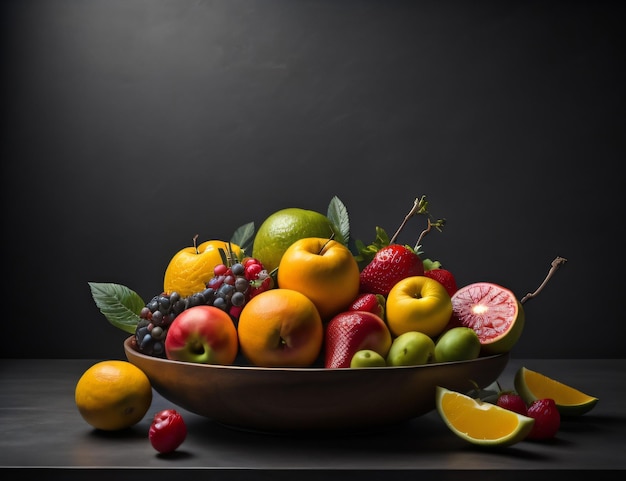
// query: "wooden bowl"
[[310, 399]]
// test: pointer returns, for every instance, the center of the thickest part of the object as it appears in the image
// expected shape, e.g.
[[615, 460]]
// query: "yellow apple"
[[322, 269], [418, 303], [192, 267]]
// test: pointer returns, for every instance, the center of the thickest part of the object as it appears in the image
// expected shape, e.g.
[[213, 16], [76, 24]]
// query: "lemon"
[[191, 268], [532, 385], [113, 395], [480, 422], [282, 228]]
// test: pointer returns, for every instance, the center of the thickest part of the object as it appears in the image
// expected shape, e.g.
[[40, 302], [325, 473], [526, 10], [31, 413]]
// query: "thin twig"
[[422, 234], [556, 263], [418, 207]]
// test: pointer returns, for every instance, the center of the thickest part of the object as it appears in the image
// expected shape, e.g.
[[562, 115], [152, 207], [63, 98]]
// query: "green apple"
[[411, 348], [367, 358], [457, 344]]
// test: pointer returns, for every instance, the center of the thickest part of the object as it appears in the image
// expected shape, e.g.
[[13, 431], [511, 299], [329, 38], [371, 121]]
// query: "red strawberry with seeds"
[[547, 419], [445, 277], [352, 331], [374, 303], [390, 265]]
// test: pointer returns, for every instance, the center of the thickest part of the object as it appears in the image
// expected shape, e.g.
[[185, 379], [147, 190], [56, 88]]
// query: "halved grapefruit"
[[493, 311]]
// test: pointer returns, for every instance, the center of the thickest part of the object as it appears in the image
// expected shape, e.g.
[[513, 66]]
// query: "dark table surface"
[[43, 433]]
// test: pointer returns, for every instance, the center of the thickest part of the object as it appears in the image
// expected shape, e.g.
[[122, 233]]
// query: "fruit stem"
[[437, 225], [556, 263], [332, 236], [195, 243], [420, 206]]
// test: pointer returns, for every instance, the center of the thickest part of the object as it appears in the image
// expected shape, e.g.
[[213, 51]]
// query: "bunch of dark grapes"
[[229, 289]]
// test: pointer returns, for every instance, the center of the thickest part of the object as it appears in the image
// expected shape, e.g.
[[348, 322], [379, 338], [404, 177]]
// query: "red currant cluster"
[[236, 284]]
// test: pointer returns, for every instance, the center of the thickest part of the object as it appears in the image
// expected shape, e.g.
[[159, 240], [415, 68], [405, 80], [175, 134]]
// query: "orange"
[[191, 268], [280, 328], [532, 385], [113, 395], [323, 270], [480, 422], [282, 228]]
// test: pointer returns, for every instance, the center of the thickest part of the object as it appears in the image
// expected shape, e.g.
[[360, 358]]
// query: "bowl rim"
[[128, 347]]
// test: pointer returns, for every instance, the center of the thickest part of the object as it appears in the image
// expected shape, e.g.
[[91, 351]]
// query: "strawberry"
[[371, 303], [512, 402], [547, 419], [445, 277], [352, 331], [390, 265]]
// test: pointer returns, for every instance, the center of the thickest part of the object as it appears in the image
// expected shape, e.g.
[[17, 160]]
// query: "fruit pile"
[[293, 294], [230, 287], [386, 299]]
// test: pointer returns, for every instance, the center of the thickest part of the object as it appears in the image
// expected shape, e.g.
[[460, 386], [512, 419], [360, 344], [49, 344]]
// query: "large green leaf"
[[244, 237], [119, 304]]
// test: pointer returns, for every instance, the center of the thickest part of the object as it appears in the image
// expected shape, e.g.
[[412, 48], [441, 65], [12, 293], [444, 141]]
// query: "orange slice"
[[481, 422], [532, 385]]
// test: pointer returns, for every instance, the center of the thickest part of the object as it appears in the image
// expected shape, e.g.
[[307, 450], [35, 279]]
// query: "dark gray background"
[[129, 126]]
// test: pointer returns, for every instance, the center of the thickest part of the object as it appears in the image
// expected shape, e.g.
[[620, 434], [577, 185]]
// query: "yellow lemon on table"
[[282, 228], [113, 395], [192, 267]]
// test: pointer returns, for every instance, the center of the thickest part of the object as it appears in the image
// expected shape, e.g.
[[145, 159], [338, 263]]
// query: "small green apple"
[[411, 348], [367, 358], [457, 344]]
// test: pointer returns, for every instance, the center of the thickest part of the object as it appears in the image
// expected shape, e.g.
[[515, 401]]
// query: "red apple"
[[352, 331], [202, 334]]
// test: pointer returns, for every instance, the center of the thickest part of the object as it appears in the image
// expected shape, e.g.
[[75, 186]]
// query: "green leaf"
[[338, 215], [429, 264], [367, 253], [120, 305], [244, 237]]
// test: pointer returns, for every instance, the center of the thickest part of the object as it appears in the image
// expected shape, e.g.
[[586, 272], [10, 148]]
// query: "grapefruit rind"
[[532, 385], [494, 338], [479, 422]]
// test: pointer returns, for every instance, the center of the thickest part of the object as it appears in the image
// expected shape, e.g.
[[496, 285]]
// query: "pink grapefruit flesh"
[[493, 312]]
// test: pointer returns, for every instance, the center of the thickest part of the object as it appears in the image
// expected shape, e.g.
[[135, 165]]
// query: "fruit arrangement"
[[293, 294]]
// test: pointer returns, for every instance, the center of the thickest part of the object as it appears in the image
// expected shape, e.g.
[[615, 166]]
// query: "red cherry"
[[252, 271], [167, 431], [250, 261]]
